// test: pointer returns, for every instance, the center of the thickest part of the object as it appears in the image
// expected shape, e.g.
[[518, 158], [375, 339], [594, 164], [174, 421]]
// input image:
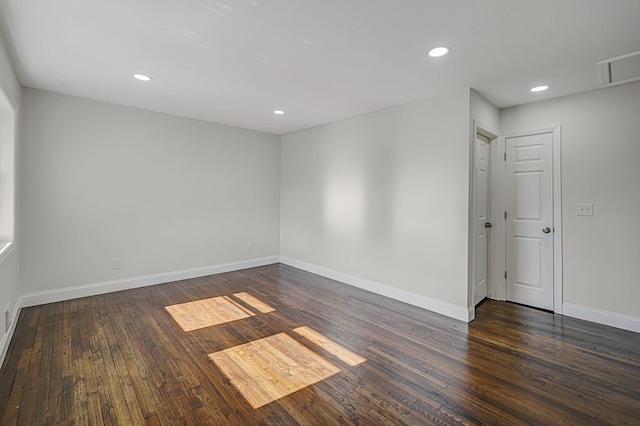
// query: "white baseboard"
[[42, 297], [625, 322], [6, 338], [434, 305]]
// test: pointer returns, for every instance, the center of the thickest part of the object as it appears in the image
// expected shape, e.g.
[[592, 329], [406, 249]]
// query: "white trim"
[[556, 137], [494, 138], [50, 296], [6, 248], [6, 338], [625, 322], [557, 221], [604, 71], [498, 253], [448, 309], [8, 172]]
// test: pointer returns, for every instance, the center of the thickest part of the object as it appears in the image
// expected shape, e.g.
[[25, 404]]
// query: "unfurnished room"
[[305, 212]]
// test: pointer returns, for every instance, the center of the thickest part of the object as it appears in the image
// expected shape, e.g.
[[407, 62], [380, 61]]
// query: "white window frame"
[[8, 124]]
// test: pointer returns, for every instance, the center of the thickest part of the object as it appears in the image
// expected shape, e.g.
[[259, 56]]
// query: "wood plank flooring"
[[121, 358]]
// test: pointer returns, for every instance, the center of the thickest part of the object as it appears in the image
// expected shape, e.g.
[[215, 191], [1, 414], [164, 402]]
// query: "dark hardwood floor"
[[122, 358]]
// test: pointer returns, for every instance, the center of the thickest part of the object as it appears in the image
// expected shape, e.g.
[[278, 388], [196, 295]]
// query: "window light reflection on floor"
[[207, 312], [335, 349], [266, 369], [271, 368], [255, 303]]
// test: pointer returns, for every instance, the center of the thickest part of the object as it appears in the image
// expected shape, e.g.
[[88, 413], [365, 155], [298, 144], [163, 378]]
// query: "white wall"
[[382, 197], [600, 165], [388, 191], [9, 265], [162, 193], [484, 111]]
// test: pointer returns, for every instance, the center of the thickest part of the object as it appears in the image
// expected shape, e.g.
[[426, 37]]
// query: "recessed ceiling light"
[[439, 51], [539, 88], [142, 77], [278, 112]]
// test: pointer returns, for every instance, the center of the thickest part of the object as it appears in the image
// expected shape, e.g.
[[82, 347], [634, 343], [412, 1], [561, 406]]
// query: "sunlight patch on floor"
[[268, 369], [207, 312], [255, 303], [335, 349]]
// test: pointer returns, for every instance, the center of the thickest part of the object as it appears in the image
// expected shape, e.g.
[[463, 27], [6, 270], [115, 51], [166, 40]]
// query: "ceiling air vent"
[[619, 70]]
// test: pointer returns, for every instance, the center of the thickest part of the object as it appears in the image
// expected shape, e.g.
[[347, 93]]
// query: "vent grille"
[[619, 70]]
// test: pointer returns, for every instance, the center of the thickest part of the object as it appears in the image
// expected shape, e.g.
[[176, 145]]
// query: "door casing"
[[493, 135], [481, 217], [497, 284]]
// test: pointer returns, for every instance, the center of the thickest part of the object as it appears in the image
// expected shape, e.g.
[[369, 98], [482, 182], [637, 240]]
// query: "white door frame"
[[494, 141], [557, 213], [497, 284]]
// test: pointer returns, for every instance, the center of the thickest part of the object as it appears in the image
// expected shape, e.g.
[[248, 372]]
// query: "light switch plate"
[[584, 209]]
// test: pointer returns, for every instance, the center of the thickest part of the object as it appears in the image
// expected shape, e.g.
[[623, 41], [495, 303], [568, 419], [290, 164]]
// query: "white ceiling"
[[235, 61]]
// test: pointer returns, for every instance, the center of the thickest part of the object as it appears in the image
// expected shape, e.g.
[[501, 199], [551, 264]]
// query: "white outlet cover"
[[584, 209]]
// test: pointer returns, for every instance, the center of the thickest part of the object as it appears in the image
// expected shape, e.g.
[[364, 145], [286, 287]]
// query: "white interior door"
[[530, 229], [481, 217]]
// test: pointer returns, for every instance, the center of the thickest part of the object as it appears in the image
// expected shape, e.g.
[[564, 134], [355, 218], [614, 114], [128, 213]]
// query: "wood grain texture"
[[335, 349], [207, 312], [254, 302], [268, 369], [121, 358]]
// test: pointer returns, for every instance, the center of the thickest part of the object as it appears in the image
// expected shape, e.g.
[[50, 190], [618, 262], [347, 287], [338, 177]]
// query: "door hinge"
[[505, 215], [505, 156], [505, 274]]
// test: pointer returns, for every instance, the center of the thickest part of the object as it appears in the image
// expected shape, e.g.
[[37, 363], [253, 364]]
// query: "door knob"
[[546, 230]]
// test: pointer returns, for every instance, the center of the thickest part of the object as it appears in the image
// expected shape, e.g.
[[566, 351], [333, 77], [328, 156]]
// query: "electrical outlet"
[[249, 246], [115, 263], [584, 209]]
